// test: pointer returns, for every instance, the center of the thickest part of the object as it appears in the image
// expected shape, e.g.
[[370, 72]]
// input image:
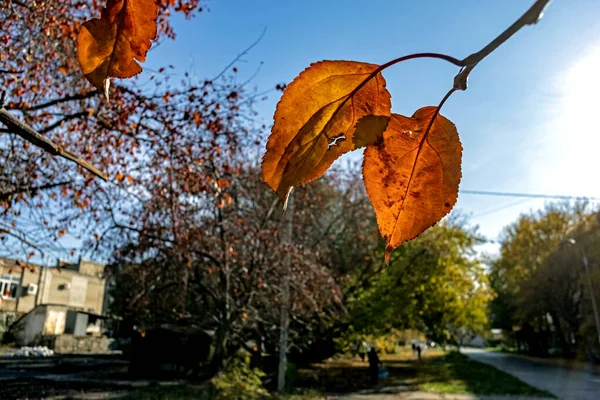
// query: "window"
[[9, 285]]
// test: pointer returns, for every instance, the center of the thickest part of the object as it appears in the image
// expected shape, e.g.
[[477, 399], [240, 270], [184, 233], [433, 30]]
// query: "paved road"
[[566, 384]]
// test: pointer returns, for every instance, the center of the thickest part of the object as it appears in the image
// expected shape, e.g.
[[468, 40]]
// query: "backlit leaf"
[[411, 178], [319, 118], [109, 47]]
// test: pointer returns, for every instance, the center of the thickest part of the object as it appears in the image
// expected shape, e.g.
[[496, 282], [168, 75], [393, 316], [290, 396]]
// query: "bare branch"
[[65, 119], [31, 135], [65, 99], [20, 3], [239, 56], [5, 196], [531, 17], [21, 239]]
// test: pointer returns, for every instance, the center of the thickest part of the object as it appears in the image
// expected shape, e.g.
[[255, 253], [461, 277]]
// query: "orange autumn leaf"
[[411, 178], [120, 177], [110, 47], [197, 118], [331, 108]]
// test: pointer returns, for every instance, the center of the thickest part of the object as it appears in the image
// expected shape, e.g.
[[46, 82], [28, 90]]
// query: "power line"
[[528, 195], [500, 208]]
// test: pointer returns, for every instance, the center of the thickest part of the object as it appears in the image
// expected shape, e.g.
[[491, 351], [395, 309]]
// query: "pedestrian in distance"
[[374, 364]]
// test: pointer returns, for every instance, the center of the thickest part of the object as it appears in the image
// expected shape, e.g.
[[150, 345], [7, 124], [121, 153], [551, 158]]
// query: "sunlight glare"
[[582, 87], [573, 161]]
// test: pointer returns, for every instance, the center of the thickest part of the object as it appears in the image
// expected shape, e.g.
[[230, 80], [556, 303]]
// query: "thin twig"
[[63, 120], [12, 8], [37, 139], [531, 17], [239, 56], [21, 239], [5, 196], [80, 96], [20, 3]]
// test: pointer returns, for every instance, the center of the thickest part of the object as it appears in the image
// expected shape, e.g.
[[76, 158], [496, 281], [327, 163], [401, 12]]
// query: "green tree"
[[435, 283]]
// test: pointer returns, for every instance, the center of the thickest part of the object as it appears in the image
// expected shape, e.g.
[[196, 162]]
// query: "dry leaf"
[[412, 179], [319, 118], [109, 47]]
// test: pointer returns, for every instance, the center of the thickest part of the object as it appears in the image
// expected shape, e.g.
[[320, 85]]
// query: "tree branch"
[[31, 135], [21, 239], [50, 103], [65, 119], [5, 196], [531, 17]]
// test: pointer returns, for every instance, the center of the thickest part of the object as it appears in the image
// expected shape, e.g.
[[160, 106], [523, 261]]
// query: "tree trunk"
[[220, 351], [563, 343]]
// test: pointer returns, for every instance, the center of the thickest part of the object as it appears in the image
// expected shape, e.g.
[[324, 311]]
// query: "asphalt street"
[[566, 384]]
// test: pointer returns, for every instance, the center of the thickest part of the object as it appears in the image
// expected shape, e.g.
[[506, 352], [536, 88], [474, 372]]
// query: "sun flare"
[[573, 134]]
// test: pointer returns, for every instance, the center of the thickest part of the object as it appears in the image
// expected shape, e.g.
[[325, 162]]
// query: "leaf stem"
[[444, 57], [388, 64], [437, 111]]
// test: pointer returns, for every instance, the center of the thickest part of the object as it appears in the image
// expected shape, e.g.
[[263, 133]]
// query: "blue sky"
[[526, 121]]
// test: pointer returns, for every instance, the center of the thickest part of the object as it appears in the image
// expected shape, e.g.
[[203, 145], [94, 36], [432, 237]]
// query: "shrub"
[[238, 381]]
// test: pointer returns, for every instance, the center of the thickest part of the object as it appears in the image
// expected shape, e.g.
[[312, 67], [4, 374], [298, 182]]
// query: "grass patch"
[[502, 349], [308, 394], [456, 373], [437, 372], [171, 393]]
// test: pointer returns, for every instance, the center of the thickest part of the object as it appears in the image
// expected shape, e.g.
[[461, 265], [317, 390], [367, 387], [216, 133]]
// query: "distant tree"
[[214, 261], [564, 286], [531, 286]]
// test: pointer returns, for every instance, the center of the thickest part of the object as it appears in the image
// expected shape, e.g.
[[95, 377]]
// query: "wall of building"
[[27, 301], [74, 289], [80, 286], [30, 328], [91, 268]]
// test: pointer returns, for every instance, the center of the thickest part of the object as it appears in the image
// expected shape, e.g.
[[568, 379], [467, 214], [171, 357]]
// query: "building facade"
[[24, 286]]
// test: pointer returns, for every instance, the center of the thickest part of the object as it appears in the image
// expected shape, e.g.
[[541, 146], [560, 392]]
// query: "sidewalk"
[[566, 383], [412, 395], [571, 364]]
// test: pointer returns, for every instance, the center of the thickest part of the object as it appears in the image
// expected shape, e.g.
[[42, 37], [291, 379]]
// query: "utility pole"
[[285, 296], [592, 294]]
